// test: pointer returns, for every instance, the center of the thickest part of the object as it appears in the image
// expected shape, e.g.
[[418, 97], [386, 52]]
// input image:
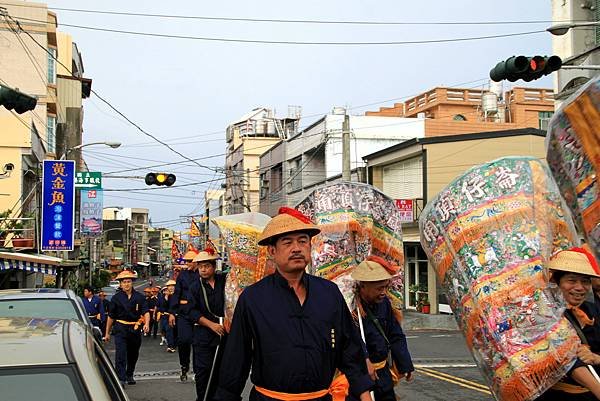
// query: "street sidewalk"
[[420, 321]]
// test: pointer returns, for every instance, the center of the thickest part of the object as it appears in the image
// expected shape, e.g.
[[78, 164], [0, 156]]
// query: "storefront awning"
[[36, 263]]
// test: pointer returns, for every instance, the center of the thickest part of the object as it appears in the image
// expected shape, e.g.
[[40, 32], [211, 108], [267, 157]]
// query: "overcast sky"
[[187, 91]]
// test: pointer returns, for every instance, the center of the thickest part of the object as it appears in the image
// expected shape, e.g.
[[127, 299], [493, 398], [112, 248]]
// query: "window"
[[295, 175], [264, 186], [54, 382], [51, 133], [459, 117], [51, 66], [544, 118], [39, 308]]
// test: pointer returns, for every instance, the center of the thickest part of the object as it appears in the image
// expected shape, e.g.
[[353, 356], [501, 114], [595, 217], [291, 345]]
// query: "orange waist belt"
[[135, 325], [338, 390], [570, 388]]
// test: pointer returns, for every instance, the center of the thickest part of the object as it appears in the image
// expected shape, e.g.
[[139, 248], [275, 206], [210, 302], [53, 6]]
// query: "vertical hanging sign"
[[58, 205], [90, 223]]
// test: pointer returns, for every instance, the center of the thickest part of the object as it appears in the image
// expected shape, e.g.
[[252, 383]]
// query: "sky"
[[186, 91]]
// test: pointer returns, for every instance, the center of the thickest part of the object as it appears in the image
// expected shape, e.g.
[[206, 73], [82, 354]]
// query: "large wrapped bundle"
[[488, 235], [573, 154], [248, 261], [356, 220]]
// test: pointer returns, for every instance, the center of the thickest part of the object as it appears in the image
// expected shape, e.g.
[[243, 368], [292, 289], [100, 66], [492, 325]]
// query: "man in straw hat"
[[128, 313], [572, 270], [167, 332], [382, 332], [179, 312], [207, 311], [293, 329]]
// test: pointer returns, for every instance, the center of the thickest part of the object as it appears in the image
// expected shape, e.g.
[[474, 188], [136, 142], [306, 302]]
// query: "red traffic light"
[[160, 179]]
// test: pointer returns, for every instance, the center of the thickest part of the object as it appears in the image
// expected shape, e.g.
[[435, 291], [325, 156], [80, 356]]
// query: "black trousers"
[[185, 336], [127, 350]]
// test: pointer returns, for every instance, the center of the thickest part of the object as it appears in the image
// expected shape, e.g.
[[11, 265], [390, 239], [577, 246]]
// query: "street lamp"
[[562, 29], [111, 144]]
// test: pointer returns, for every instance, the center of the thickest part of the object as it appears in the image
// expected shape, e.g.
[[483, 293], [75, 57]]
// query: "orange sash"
[[135, 325], [581, 316], [338, 390]]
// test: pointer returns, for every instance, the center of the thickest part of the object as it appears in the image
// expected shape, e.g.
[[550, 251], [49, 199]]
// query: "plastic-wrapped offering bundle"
[[488, 235], [573, 154], [356, 220], [248, 261]]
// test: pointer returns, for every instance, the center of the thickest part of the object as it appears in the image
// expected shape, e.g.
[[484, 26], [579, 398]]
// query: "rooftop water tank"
[[489, 103]]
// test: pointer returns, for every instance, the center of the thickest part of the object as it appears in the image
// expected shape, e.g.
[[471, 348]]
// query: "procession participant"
[[106, 305], [155, 322], [179, 309], [93, 306], [167, 332], [207, 311], [382, 332], [572, 270], [128, 311], [151, 307], [294, 330]]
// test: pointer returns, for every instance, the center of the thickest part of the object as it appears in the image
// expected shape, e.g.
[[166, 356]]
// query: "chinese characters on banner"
[[58, 205], [405, 206], [91, 212]]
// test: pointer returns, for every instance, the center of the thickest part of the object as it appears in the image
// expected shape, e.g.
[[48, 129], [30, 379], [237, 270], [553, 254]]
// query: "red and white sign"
[[405, 206]]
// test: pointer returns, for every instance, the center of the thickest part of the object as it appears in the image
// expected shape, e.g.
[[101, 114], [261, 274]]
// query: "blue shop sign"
[[58, 205]]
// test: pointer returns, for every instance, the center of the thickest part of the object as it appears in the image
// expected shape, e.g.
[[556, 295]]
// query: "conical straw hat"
[[287, 221], [575, 260]]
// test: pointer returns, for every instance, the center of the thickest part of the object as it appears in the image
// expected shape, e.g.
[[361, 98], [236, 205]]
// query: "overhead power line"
[[292, 42], [287, 21]]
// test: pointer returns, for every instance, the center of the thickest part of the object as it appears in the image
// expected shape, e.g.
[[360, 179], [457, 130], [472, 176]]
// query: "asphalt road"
[[444, 371]]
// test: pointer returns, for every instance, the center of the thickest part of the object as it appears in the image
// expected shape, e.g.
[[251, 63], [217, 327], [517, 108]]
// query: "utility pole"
[[248, 190], [346, 148]]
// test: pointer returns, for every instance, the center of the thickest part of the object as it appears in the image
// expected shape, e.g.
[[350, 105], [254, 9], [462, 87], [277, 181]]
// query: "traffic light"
[[13, 99], [160, 179], [525, 68]]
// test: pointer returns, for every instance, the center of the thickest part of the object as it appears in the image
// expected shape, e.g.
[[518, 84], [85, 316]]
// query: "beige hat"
[[287, 221], [575, 260], [206, 255], [126, 274], [189, 256], [374, 268], [170, 282]]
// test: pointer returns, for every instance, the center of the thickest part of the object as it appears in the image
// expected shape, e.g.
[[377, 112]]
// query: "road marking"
[[455, 380], [412, 336], [445, 365], [441, 335]]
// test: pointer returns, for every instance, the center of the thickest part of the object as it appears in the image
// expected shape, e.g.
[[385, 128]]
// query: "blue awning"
[[35, 263], [7, 264]]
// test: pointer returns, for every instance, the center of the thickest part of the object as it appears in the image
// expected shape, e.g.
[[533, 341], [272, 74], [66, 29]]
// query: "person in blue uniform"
[[106, 305], [167, 331], [207, 311], [128, 316], [384, 340], [572, 270], [156, 299], [93, 306], [179, 312], [292, 330], [151, 301]]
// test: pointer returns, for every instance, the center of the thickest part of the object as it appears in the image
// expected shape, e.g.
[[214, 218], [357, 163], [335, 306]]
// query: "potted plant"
[[15, 226]]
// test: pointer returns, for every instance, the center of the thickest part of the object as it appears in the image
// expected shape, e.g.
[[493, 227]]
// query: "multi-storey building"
[[247, 138]]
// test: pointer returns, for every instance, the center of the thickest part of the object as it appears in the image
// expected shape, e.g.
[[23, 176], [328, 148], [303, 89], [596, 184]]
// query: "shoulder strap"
[[206, 298], [377, 324], [576, 326]]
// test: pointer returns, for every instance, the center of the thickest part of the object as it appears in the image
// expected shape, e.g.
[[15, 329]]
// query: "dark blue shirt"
[[93, 306], [291, 348], [215, 309], [128, 309], [163, 304], [377, 346], [182, 292]]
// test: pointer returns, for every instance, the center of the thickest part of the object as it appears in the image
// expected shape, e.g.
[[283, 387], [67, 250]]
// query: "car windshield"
[[38, 308], [26, 384]]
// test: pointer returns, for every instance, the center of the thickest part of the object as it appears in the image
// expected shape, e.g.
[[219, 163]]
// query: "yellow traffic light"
[[160, 179]]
